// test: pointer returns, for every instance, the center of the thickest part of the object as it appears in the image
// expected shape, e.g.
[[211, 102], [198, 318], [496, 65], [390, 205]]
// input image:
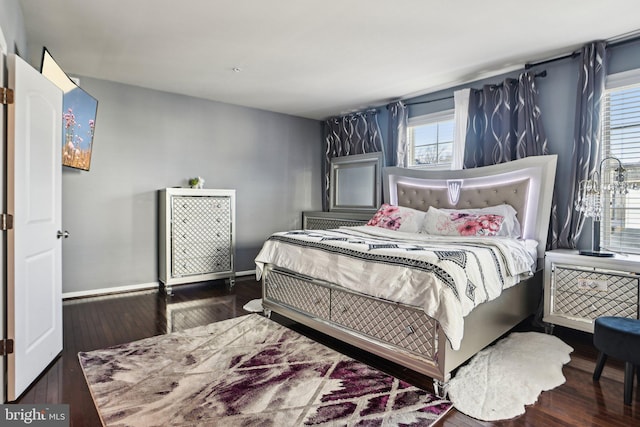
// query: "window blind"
[[620, 230]]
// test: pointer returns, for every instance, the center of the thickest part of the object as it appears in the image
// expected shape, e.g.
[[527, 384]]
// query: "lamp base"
[[597, 254]]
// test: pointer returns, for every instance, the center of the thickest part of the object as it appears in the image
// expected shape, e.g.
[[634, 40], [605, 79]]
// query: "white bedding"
[[446, 276]]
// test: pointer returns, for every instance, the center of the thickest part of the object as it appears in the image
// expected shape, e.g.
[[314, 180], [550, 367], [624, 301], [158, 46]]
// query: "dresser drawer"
[[390, 322], [201, 265], [185, 250], [589, 293], [298, 294]]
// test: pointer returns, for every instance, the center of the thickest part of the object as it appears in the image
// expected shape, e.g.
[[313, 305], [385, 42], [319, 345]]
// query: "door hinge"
[[6, 96], [6, 347], [6, 222]]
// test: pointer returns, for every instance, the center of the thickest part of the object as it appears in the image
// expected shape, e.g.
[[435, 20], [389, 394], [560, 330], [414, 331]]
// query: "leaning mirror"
[[356, 183]]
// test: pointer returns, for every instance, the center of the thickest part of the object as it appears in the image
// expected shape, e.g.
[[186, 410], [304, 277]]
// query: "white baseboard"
[[245, 273], [114, 290], [128, 288]]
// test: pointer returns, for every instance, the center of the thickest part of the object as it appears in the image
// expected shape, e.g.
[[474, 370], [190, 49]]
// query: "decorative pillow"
[[510, 224], [398, 218], [461, 223]]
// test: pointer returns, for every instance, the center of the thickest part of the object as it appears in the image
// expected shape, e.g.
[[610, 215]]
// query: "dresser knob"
[[409, 330]]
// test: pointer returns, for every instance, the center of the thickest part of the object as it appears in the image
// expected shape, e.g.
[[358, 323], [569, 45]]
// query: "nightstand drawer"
[[602, 284], [589, 293], [591, 305]]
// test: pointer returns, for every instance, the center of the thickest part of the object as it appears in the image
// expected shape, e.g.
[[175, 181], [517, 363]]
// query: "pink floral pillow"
[[455, 223], [398, 218]]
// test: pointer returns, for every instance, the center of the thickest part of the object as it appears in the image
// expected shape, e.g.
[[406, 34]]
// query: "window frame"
[[428, 119], [611, 230]]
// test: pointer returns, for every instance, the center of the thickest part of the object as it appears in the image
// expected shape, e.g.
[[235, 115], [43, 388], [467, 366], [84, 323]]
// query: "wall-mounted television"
[[79, 111], [356, 183]]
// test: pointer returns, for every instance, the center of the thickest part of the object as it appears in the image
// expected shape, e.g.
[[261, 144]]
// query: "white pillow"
[[398, 218], [510, 225], [439, 222]]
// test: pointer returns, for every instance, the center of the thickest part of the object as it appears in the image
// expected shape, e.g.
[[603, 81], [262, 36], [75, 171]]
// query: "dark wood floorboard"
[[100, 322]]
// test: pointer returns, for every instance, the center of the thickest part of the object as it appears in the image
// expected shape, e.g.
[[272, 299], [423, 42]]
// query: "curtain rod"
[[542, 73], [575, 53]]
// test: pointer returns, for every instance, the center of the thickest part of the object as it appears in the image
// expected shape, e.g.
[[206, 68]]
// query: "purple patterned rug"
[[247, 371]]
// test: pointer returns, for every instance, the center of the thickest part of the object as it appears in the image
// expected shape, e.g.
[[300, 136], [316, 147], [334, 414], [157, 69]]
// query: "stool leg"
[[602, 358], [628, 382]]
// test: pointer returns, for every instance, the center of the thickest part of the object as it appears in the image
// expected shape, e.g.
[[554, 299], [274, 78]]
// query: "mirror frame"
[[356, 161]]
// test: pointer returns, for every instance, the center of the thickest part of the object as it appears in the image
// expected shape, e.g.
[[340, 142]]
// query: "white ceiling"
[[313, 58]]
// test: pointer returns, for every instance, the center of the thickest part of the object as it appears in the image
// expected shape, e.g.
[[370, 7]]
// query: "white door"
[[3, 139], [34, 268]]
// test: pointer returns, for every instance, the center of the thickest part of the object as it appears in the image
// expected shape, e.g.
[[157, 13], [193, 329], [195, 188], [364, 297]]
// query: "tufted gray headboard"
[[526, 184]]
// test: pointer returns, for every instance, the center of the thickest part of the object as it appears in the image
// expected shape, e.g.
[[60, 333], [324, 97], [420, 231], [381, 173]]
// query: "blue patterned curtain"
[[398, 118], [566, 222], [356, 133], [504, 123]]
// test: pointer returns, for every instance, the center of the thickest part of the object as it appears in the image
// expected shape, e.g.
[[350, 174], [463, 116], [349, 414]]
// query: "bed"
[[433, 291]]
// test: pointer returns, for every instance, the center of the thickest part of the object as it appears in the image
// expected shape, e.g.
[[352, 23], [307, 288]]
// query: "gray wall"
[[12, 24], [146, 140]]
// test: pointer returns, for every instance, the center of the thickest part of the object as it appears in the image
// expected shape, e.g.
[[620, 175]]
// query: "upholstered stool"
[[619, 338]]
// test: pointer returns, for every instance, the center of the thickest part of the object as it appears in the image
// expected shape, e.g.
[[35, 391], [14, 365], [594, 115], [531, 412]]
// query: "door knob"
[[61, 234]]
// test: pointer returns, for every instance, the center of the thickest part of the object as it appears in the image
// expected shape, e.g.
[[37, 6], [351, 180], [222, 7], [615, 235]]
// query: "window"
[[430, 140], [620, 231]]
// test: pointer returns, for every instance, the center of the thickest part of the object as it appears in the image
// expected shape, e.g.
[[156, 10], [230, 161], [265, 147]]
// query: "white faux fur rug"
[[500, 380], [253, 306]]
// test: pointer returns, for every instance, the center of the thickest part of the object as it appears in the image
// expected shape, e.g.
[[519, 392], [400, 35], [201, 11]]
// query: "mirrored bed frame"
[[405, 334]]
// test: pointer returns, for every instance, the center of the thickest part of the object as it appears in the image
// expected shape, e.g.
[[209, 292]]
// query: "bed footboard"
[[394, 331], [397, 332]]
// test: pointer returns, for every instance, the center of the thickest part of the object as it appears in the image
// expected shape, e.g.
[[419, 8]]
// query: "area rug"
[[502, 379], [247, 371]]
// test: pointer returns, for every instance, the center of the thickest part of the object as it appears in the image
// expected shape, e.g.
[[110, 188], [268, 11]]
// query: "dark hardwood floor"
[[101, 322]]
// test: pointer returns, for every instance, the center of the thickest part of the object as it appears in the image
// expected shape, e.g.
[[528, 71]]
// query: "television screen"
[[79, 111]]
